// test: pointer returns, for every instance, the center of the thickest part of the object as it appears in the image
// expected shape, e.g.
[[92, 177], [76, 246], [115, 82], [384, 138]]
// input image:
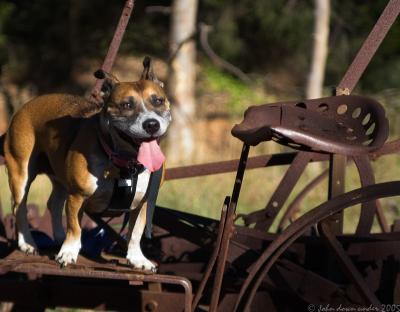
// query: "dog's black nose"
[[151, 126]]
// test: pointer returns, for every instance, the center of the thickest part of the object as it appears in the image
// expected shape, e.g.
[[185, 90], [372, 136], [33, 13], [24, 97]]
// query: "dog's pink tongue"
[[150, 155]]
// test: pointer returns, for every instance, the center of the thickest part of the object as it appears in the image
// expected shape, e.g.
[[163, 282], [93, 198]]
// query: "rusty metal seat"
[[348, 124]]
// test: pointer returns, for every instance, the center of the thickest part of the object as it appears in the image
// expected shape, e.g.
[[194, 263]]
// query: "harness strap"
[[154, 186], [117, 159], [124, 190]]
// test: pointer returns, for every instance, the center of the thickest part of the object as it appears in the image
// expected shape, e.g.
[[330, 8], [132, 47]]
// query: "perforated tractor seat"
[[348, 124]]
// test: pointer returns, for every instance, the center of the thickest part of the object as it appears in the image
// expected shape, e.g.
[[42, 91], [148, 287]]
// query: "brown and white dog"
[[64, 137]]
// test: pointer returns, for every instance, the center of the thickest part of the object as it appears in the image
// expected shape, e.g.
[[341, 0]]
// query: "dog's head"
[[139, 109]]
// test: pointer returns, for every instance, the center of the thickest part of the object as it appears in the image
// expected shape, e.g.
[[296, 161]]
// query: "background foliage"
[[41, 40]]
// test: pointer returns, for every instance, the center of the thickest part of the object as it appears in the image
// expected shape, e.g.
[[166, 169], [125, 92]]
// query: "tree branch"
[[217, 60], [166, 10], [177, 47]]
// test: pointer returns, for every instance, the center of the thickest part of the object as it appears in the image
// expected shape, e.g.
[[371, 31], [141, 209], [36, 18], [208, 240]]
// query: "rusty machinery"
[[210, 265]]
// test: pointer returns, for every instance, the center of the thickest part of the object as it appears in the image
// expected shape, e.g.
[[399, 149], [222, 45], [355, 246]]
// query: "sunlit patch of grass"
[[205, 195], [238, 94], [38, 194]]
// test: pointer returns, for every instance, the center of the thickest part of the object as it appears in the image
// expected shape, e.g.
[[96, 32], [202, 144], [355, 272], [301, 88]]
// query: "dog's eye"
[[157, 101], [127, 105]]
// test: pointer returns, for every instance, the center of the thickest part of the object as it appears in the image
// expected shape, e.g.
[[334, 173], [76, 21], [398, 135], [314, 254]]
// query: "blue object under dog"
[[93, 241]]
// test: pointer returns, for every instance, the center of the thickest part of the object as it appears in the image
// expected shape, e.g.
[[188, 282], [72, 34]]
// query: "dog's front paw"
[[27, 248], [68, 253], [140, 262], [26, 244]]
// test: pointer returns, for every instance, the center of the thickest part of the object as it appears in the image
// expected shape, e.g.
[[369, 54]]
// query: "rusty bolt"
[[151, 306], [268, 214]]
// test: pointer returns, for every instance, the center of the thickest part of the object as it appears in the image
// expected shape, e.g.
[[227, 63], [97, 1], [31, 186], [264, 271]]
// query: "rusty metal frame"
[[338, 163], [40, 267], [369, 47], [347, 265], [293, 232], [294, 206], [366, 178], [228, 228], [224, 234], [114, 47], [214, 255]]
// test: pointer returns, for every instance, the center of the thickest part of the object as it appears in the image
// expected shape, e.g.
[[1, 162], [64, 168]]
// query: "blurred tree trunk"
[[182, 78], [320, 51]]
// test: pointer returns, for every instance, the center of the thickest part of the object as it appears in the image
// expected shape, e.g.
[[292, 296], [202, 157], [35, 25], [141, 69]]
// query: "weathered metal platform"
[[36, 282]]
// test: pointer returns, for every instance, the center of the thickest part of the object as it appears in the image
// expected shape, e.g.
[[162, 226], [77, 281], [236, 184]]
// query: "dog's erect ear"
[[95, 102], [148, 72], [109, 82]]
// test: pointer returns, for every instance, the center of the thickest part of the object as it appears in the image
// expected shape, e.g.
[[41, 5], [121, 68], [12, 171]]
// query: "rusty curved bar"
[[294, 231], [265, 217], [175, 280], [369, 209], [381, 217], [295, 204], [367, 213]]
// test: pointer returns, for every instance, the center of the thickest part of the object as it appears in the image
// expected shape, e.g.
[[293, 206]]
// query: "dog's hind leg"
[[20, 181], [18, 151], [25, 240], [55, 204], [135, 255]]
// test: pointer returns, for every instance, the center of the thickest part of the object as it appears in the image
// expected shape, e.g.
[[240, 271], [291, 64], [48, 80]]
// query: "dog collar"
[[117, 159]]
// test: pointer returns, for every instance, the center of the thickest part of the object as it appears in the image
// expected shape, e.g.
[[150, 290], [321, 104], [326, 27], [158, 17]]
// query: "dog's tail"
[[2, 139]]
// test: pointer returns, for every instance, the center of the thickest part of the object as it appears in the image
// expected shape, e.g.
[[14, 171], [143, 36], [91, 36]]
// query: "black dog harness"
[[124, 189], [125, 183]]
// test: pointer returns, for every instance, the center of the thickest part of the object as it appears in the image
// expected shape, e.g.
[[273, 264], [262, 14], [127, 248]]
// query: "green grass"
[[237, 94], [205, 195], [38, 194]]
